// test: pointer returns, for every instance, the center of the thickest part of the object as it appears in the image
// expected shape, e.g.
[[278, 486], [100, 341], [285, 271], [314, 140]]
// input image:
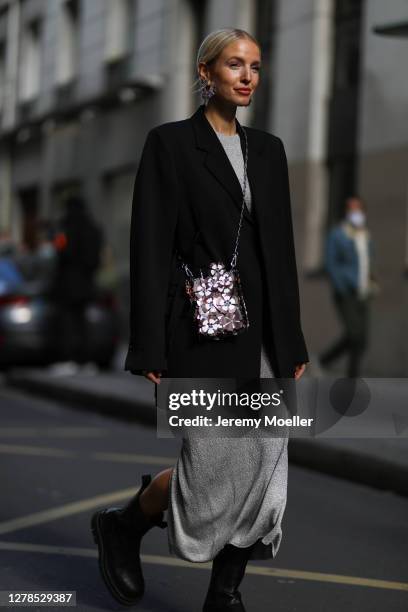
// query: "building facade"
[[82, 81]]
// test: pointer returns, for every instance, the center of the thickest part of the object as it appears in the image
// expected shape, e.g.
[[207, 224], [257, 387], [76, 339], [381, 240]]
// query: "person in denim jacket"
[[348, 261]]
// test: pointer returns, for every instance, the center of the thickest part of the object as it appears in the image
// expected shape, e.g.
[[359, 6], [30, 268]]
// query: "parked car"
[[30, 325]]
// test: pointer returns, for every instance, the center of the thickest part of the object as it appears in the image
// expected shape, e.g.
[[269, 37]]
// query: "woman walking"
[[200, 179]]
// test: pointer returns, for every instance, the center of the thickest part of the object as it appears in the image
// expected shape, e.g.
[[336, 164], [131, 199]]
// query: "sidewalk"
[[380, 462]]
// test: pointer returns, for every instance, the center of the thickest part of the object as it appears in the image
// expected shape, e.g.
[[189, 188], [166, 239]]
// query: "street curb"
[[350, 464], [344, 463], [83, 399]]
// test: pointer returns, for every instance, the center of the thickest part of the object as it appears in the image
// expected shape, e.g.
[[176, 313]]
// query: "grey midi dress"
[[229, 490]]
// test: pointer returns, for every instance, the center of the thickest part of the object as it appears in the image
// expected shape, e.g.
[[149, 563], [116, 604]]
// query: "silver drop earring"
[[206, 90]]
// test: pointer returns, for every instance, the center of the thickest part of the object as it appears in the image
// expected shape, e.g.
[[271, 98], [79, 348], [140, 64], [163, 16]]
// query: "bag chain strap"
[[235, 253]]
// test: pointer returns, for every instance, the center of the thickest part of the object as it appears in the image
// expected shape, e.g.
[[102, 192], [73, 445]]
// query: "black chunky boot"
[[228, 570], [118, 533]]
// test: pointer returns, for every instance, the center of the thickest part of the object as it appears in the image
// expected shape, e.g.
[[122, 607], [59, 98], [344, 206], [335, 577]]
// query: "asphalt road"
[[344, 545]]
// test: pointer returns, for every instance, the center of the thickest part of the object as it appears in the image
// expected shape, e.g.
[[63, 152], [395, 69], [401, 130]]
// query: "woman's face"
[[235, 73]]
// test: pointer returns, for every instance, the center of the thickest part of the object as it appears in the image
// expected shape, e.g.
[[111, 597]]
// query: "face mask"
[[356, 218]]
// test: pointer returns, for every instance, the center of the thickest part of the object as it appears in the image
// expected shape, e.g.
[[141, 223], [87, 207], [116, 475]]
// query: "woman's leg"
[[155, 498], [228, 570]]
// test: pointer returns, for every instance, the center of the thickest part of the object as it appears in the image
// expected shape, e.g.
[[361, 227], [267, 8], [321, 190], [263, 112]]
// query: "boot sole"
[[214, 608], [98, 539]]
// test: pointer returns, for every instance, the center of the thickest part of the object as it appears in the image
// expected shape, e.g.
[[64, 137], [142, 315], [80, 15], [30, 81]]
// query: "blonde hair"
[[214, 43]]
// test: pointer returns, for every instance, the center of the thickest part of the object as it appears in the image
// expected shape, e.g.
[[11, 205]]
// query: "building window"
[[61, 191], [30, 71], [30, 209], [68, 42], [119, 22]]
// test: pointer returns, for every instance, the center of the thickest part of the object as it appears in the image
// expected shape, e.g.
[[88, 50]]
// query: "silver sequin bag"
[[217, 298]]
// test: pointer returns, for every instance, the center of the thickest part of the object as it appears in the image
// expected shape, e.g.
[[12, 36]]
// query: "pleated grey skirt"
[[228, 491]]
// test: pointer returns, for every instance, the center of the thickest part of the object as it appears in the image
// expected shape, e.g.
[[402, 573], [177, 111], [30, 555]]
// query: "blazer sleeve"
[[152, 233], [291, 275]]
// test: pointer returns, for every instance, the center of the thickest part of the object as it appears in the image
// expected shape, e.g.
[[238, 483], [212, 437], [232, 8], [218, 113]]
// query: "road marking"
[[256, 570], [100, 500], [52, 550], [52, 432], [53, 514], [132, 458], [18, 449], [336, 578]]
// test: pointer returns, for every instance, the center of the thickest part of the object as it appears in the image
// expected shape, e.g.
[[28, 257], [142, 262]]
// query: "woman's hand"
[[153, 376], [299, 369]]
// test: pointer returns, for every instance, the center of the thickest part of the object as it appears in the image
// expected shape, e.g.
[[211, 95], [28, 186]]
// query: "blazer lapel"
[[217, 162]]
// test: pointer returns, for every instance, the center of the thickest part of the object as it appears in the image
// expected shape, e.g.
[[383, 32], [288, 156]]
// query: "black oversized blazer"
[[187, 199]]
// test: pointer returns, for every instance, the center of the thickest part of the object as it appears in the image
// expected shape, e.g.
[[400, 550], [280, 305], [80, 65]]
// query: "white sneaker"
[[65, 368]]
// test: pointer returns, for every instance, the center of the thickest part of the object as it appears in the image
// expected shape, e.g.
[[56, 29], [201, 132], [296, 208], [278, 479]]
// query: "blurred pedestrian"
[[78, 243], [349, 265]]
